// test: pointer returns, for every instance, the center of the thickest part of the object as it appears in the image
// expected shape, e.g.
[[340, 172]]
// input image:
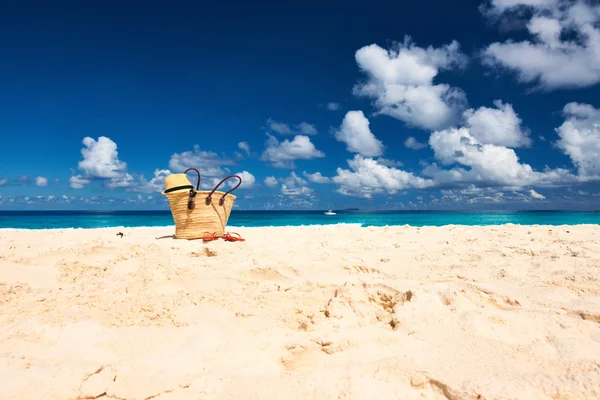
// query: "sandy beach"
[[341, 312]]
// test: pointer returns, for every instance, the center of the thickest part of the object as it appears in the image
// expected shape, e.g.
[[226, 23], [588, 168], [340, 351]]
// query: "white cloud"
[[270, 181], [208, 163], [101, 159], [282, 154], [156, 184], [367, 177], [333, 106], [123, 182], [316, 177], [414, 144], [245, 147], [303, 128], [248, 180], [502, 5], [536, 195], [580, 138], [400, 81], [101, 162], [279, 127], [500, 126], [306, 128], [488, 164], [355, 132], [482, 196], [77, 182], [549, 58], [3, 181], [41, 181], [295, 186]]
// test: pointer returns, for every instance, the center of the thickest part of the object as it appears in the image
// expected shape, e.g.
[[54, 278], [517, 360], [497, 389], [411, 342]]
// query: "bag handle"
[[222, 199], [198, 172], [191, 202]]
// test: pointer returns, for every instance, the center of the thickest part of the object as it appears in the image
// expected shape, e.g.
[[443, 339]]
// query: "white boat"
[[329, 212]]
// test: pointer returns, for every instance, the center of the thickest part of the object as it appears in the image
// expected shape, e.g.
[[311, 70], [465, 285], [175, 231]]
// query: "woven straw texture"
[[192, 224]]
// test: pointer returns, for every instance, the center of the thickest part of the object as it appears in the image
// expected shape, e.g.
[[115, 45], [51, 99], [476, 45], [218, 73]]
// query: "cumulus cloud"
[[481, 154], [500, 126], [125, 181], [484, 164], [271, 181], [367, 177], [412, 143], [101, 159], [355, 132], [400, 81], [580, 139], [78, 182], [564, 49], [295, 186], [316, 177], [155, 184], [248, 180], [283, 154], [100, 162], [303, 128], [3, 181], [41, 181]]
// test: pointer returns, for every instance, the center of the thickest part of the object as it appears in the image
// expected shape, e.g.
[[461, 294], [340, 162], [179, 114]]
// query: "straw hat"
[[176, 183]]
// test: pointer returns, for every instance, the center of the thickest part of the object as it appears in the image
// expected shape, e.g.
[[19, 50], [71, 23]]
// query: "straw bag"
[[195, 211]]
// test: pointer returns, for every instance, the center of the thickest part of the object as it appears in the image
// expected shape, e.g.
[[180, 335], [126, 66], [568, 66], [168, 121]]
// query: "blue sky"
[[489, 104]]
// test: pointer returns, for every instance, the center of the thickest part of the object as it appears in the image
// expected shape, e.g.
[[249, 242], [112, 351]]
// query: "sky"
[[469, 104]]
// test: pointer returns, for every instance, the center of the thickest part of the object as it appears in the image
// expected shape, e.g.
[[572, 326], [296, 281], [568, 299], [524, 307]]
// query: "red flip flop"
[[230, 238], [209, 237]]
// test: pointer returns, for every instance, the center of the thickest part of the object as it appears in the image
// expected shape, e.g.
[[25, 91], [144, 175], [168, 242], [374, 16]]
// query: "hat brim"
[[178, 189]]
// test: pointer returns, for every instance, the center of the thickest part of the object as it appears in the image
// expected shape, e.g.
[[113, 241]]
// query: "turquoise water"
[[102, 219]]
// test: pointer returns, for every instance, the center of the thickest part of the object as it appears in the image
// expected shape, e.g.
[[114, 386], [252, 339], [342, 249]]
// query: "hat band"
[[179, 188]]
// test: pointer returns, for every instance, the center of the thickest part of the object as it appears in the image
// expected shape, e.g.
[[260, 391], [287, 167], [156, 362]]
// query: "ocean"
[[104, 219]]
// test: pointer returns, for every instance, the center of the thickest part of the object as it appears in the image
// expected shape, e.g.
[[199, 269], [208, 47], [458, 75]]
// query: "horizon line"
[[314, 210]]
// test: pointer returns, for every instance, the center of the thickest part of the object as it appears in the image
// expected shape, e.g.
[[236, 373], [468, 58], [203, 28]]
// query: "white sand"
[[302, 313]]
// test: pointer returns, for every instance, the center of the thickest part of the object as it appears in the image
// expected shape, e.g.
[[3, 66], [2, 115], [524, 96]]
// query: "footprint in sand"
[[205, 252], [299, 355], [309, 353], [366, 304], [359, 269], [373, 272], [477, 297]]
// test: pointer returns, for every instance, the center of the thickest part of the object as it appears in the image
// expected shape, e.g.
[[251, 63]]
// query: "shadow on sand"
[[166, 237]]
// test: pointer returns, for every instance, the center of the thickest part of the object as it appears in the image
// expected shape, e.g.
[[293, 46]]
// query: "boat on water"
[[329, 212]]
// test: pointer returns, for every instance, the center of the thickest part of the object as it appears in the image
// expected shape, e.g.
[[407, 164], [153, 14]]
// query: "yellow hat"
[[176, 183]]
